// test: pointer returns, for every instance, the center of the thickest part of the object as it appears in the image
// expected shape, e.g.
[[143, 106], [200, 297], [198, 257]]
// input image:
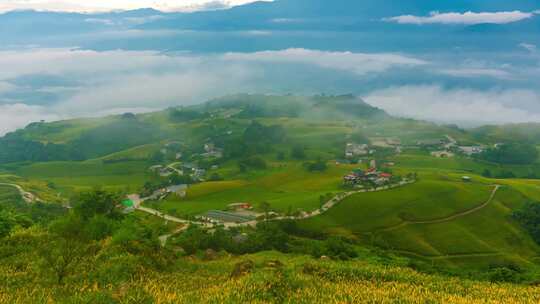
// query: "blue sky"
[[466, 62]]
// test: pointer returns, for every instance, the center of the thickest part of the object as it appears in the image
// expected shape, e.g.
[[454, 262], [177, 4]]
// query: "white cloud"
[[110, 81], [19, 115], [287, 20], [359, 63], [100, 21], [93, 6], [477, 72], [464, 106], [119, 81], [528, 46], [6, 87], [467, 18]]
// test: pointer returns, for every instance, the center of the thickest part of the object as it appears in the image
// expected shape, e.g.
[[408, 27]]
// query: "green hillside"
[[286, 155]]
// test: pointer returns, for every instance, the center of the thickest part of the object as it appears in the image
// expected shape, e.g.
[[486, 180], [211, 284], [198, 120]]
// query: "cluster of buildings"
[[190, 169], [371, 176], [357, 150], [449, 147], [353, 150], [236, 213], [388, 143], [173, 148], [186, 168], [210, 151], [160, 194]]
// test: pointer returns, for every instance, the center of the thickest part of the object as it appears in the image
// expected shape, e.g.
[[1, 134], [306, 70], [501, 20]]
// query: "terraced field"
[[440, 219]]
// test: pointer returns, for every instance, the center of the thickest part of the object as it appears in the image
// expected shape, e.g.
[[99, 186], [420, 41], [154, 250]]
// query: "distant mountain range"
[[354, 25]]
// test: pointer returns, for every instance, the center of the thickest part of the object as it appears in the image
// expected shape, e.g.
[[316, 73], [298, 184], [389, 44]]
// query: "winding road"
[[26, 196], [137, 202]]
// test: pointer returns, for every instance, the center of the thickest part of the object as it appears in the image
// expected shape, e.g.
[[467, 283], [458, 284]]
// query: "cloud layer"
[[465, 106], [15, 116], [467, 18], [359, 63], [63, 83], [93, 6]]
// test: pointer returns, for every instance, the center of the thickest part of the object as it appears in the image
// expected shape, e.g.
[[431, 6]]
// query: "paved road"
[[171, 166], [26, 196], [326, 207], [137, 202]]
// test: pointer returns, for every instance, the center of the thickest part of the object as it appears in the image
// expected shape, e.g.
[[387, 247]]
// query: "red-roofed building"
[[385, 175]]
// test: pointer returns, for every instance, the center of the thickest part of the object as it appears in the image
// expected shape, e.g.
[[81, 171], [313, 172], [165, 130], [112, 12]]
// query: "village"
[[369, 176]]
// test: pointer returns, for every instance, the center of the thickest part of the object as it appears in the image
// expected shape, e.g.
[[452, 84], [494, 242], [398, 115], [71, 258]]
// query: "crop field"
[[273, 278]]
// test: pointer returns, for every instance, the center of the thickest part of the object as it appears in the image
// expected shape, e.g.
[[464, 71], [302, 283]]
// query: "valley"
[[439, 217]]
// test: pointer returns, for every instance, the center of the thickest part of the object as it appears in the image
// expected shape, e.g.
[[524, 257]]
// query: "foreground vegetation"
[[261, 278]]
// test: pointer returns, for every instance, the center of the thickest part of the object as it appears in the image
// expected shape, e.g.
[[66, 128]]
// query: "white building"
[[352, 150]]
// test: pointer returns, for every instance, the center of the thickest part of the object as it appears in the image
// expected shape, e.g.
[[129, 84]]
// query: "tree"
[[157, 157], [487, 173], [298, 152], [529, 217], [65, 247], [511, 153], [318, 166], [254, 162], [61, 256], [266, 208], [97, 202], [6, 224], [215, 177], [360, 138]]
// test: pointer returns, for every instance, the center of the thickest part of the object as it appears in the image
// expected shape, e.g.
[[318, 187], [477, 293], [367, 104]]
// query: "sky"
[[93, 6], [465, 65]]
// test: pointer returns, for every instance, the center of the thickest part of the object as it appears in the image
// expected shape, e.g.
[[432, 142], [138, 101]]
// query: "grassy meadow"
[[285, 186]]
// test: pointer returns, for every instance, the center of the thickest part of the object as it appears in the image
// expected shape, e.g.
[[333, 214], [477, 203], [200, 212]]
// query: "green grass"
[[9, 195], [81, 176], [487, 231], [422, 161], [427, 199], [142, 153], [284, 186]]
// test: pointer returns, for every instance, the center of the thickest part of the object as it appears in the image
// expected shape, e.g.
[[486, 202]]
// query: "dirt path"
[[26, 196], [445, 219], [448, 256]]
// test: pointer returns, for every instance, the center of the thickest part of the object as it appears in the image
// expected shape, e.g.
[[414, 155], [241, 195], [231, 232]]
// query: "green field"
[[481, 238], [70, 177], [287, 185], [9, 195]]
